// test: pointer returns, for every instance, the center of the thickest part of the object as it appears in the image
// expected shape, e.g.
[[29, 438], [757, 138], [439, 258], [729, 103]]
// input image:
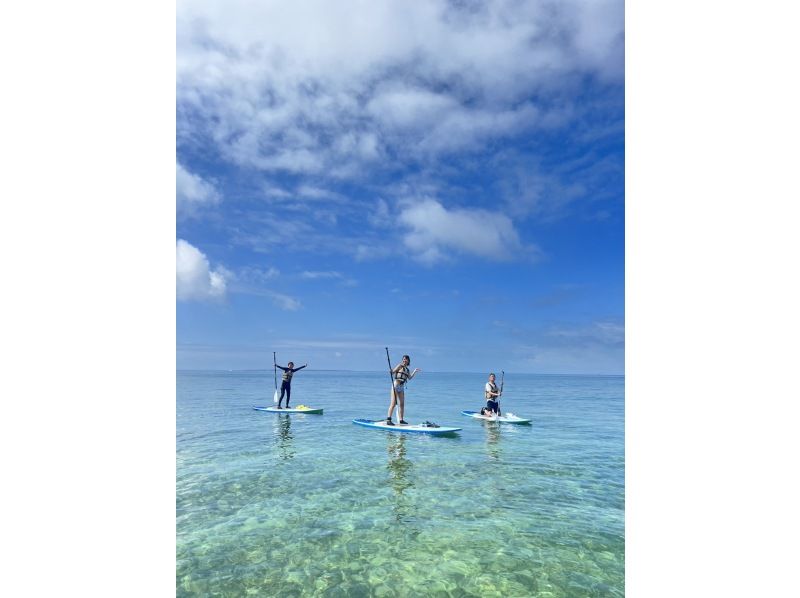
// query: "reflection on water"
[[399, 469], [283, 434], [492, 437]]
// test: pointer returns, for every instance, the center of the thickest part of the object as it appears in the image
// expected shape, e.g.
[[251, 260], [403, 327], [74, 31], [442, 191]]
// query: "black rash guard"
[[286, 385]]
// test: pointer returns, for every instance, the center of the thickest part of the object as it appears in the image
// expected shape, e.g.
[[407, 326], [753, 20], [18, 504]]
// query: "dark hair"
[[290, 363], [492, 374], [407, 357]]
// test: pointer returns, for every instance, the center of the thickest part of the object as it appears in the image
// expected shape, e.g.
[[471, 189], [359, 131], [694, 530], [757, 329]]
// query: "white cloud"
[[250, 280], [576, 360], [434, 230], [284, 302], [591, 348], [192, 191], [195, 280], [606, 333], [367, 253], [330, 275], [258, 275], [273, 192], [465, 129], [314, 275], [387, 93], [407, 108], [324, 88], [311, 192], [379, 215]]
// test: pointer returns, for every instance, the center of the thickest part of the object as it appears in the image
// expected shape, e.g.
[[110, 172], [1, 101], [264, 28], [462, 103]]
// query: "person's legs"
[[288, 394], [401, 398], [280, 400], [392, 404]]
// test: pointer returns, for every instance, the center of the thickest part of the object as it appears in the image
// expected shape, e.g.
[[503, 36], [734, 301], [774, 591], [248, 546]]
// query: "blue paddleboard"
[[417, 428]]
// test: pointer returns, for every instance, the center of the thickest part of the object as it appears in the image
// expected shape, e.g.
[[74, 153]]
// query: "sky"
[[444, 178]]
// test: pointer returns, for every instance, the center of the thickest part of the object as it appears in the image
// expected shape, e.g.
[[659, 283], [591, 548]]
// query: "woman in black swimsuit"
[[286, 385]]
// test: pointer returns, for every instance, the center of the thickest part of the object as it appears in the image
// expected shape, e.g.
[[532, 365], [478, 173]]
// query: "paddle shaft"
[[275, 371], [502, 381], [391, 379]]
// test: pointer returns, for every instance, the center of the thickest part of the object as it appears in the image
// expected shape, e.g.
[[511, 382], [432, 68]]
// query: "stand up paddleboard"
[[298, 409], [506, 419], [417, 428]]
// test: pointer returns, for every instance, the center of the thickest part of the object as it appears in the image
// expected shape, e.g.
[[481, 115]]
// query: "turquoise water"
[[313, 505]]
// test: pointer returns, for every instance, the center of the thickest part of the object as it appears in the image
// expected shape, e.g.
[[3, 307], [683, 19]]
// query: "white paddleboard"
[[509, 418], [299, 409]]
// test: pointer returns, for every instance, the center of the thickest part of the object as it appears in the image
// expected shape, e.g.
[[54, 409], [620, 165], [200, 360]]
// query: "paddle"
[[391, 380], [502, 380], [275, 369]]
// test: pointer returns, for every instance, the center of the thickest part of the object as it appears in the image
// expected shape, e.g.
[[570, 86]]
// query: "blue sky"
[[445, 178]]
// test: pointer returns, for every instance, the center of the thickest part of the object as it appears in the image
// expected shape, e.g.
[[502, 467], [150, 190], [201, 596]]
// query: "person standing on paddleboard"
[[286, 385], [401, 376], [492, 394]]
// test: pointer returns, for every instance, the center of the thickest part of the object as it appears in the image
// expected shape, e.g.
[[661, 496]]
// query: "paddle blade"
[[275, 397]]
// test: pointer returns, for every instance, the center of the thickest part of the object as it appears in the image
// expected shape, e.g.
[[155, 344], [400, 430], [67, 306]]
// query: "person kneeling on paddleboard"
[[492, 394], [401, 375], [286, 385]]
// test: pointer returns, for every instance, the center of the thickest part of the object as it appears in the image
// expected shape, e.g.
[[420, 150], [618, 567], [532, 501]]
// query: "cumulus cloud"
[[435, 230], [192, 191], [195, 279], [336, 103], [321, 88]]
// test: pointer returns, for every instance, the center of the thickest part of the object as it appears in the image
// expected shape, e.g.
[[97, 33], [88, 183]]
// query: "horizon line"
[[383, 371]]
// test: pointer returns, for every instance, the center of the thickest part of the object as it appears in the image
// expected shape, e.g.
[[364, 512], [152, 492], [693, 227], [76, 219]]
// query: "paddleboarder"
[[492, 394], [400, 376], [286, 384]]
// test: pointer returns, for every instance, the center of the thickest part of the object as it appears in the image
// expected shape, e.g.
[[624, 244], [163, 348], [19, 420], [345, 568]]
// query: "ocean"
[[313, 505]]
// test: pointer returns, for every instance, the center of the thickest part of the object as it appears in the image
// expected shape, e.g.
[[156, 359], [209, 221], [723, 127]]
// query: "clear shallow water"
[[301, 505]]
